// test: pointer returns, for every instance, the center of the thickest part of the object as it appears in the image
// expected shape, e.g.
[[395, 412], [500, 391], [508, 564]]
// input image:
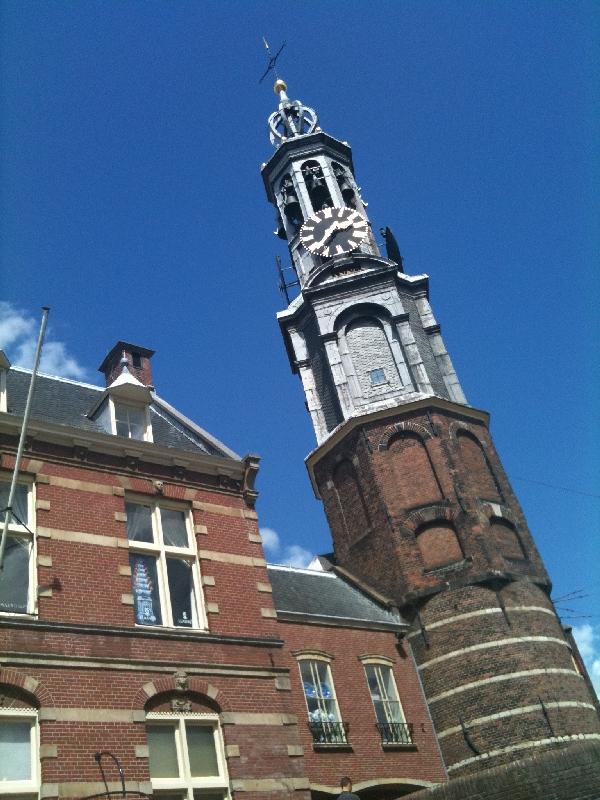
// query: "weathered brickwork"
[[366, 759], [92, 675], [571, 773], [444, 536]]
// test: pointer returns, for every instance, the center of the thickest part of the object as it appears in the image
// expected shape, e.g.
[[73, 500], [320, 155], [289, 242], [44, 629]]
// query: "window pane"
[[181, 591], [131, 422], [14, 580], [373, 684], [137, 422], [15, 751], [200, 795], [139, 523], [389, 686], [324, 688], [144, 583], [163, 752], [202, 753], [19, 503], [174, 528]]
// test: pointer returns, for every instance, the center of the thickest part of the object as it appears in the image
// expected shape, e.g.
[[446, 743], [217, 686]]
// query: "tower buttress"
[[417, 499]]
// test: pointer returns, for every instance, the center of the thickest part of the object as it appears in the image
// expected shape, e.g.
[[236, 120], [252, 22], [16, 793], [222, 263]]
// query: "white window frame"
[[313, 660], [377, 664], [18, 531], [29, 787], [160, 551], [186, 783], [113, 404]]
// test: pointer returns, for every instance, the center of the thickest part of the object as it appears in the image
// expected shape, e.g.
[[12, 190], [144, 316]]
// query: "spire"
[[291, 119]]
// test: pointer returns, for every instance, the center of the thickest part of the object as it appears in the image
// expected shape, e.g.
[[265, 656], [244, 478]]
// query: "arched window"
[[345, 183], [408, 458], [316, 185], [289, 202], [324, 717], [19, 747], [372, 357], [474, 463], [351, 501], [439, 545], [389, 713], [185, 744], [186, 755], [506, 539]]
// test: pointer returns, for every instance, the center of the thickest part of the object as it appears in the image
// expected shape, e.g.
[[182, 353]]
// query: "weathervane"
[[272, 64]]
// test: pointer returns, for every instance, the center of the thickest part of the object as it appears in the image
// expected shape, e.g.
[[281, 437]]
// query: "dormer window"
[[124, 407], [125, 419], [131, 422]]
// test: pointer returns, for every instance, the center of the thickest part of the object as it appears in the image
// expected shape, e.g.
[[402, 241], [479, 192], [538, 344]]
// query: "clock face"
[[334, 231]]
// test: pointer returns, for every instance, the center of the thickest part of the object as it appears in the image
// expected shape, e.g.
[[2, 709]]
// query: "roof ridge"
[[306, 570], [57, 378]]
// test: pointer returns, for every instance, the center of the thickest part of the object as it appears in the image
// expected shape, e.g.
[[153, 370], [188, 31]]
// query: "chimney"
[[138, 363]]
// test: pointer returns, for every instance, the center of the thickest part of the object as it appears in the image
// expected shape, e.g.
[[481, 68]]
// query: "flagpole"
[[13, 484]]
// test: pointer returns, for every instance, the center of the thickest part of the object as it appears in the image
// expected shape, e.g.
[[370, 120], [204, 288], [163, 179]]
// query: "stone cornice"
[[119, 447], [397, 412], [200, 637]]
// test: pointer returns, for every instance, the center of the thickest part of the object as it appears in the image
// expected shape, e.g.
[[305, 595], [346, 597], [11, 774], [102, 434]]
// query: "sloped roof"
[[65, 402], [314, 596]]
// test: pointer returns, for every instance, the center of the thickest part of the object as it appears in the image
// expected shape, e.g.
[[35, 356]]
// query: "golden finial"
[[280, 86]]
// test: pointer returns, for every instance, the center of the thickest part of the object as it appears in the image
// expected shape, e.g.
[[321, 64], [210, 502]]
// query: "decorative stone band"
[[84, 788], [482, 612], [514, 712], [270, 785], [82, 537], [509, 676], [486, 645], [523, 746]]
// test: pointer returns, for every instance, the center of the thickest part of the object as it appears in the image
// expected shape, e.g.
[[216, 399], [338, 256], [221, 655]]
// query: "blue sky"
[[131, 203]]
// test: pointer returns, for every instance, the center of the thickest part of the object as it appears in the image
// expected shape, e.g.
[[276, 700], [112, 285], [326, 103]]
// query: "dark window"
[[136, 360]]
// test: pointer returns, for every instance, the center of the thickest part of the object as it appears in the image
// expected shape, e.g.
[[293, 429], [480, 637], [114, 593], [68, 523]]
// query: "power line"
[[554, 486]]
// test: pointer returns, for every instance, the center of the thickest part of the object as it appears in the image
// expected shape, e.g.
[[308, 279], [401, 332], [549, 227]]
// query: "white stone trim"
[[523, 746], [496, 643], [514, 712], [508, 676], [483, 611]]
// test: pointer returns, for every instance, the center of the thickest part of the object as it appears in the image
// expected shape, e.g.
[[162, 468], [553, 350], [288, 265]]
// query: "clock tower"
[[417, 499]]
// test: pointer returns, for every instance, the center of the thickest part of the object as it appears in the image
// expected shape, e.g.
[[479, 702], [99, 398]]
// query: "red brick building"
[[138, 617]]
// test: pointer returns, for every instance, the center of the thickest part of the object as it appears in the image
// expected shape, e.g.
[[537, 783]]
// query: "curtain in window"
[[139, 523], [144, 581], [15, 750], [14, 584]]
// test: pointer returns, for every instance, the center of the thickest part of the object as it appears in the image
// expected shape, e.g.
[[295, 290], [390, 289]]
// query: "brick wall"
[[92, 674], [444, 535], [572, 773], [372, 767]]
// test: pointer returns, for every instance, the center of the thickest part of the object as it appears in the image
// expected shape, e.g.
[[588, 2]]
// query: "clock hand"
[[328, 233]]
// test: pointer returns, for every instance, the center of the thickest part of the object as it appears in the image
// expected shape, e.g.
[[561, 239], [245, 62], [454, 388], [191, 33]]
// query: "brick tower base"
[[572, 773]]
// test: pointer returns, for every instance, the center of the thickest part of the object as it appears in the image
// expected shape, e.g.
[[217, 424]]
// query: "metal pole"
[[13, 484]]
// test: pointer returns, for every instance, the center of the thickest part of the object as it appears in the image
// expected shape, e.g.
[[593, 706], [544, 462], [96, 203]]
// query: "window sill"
[[322, 747], [398, 746], [19, 614], [171, 629], [451, 566]]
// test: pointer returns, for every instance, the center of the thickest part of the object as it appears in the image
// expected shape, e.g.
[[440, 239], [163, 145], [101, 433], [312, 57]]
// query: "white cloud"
[[588, 642], [293, 554], [270, 540], [18, 338]]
